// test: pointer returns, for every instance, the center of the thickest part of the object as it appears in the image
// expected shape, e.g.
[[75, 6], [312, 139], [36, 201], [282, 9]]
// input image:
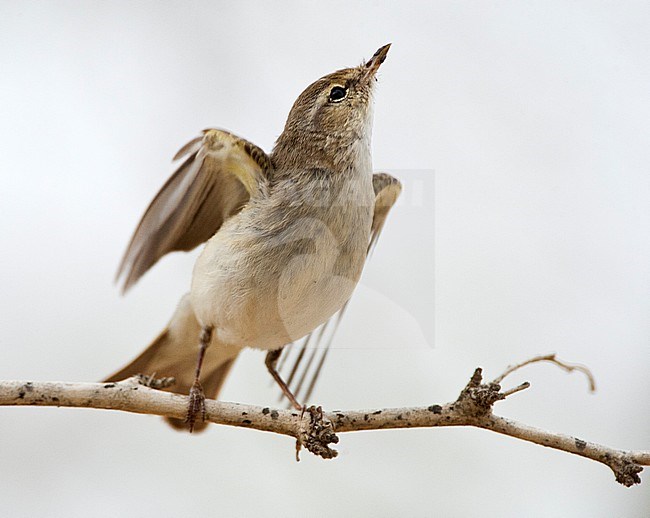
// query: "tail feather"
[[140, 365], [174, 353]]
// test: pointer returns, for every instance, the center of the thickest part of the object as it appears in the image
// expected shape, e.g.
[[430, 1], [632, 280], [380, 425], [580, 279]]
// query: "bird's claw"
[[196, 405]]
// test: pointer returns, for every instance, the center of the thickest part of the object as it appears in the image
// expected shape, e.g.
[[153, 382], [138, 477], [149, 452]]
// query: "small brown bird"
[[287, 235]]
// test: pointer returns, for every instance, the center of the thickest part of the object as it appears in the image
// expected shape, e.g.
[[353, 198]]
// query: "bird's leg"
[[271, 361], [197, 397]]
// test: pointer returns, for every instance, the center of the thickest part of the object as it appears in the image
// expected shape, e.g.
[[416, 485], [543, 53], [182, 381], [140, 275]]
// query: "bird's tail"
[[174, 354]]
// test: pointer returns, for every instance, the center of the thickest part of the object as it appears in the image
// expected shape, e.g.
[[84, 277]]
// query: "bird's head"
[[336, 109]]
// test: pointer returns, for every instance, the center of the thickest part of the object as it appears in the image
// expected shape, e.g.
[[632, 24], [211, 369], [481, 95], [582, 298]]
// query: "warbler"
[[287, 235]]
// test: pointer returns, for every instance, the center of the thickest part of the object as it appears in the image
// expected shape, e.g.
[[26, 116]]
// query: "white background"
[[533, 117]]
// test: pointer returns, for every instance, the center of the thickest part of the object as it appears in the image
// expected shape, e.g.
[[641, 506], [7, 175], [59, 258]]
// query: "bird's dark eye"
[[337, 93]]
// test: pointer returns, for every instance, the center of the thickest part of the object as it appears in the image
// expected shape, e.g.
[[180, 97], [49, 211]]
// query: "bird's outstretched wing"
[[221, 173], [387, 189]]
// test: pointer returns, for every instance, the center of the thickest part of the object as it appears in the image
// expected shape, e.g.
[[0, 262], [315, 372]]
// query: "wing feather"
[[387, 189], [218, 177]]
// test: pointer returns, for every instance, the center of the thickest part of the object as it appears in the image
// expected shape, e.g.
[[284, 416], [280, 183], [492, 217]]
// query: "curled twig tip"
[[551, 358]]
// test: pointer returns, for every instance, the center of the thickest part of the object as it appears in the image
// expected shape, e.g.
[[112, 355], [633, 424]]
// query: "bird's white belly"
[[265, 294]]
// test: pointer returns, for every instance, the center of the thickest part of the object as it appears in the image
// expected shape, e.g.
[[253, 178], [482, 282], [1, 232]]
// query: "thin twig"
[[516, 389], [552, 359]]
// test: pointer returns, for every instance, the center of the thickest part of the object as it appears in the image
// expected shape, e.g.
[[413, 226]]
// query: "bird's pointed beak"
[[373, 64]]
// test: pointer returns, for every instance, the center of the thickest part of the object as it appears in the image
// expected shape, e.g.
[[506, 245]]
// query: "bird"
[[286, 236]]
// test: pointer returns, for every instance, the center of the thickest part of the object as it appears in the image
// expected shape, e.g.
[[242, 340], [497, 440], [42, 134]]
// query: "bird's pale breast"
[[264, 285]]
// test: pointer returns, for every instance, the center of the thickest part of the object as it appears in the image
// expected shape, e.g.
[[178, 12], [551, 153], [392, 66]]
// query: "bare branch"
[[315, 429]]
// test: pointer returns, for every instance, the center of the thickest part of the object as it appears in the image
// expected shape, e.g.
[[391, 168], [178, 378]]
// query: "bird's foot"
[[196, 405]]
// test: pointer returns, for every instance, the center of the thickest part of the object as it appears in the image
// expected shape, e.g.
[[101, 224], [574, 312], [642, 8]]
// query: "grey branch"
[[315, 429]]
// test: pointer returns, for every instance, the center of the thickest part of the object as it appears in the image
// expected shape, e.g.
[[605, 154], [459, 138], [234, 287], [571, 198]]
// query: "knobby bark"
[[316, 430]]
